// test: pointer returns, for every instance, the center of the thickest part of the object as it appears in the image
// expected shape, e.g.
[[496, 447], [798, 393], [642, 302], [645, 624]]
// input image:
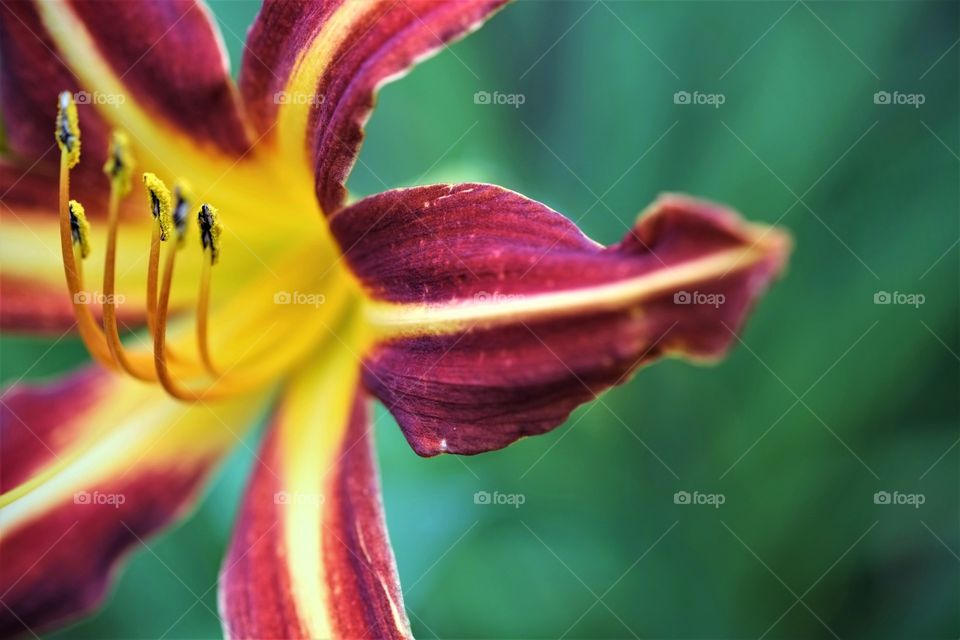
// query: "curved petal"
[[310, 557], [89, 467], [494, 316], [312, 71]]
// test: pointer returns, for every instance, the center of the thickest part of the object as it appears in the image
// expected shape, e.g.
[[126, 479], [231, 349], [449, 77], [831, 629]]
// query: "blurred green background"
[[830, 399]]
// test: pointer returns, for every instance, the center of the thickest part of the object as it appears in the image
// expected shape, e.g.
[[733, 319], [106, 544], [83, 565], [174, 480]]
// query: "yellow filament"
[[255, 371], [210, 232], [203, 311], [137, 365], [134, 364], [220, 388], [153, 265], [160, 335]]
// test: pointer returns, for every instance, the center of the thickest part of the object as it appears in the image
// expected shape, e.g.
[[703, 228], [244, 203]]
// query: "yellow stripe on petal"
[[294, 114], [404, 319], [92, 466], [310, 556], [323, 396], [132, 427], [311, 48]]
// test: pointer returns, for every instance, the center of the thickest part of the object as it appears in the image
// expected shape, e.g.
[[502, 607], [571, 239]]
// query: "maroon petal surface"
[[311, 70], [310, 556], [170, 57], [165, 57], [495, 316], [32, 73]]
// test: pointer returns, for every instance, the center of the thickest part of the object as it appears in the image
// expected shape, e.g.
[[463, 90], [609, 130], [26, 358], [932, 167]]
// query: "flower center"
[[187, 370]]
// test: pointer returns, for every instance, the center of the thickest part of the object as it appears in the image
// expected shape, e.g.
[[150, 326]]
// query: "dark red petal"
[[90, 466], [30, 307], [170, 57], [164, 56], [31, 75], [497, 316], [310, 557], [332, 96], [280, 34]]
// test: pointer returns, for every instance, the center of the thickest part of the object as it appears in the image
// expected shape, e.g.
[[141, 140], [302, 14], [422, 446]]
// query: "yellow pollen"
[[119, 165], [68, 129], [183, 199], [79, 228], [210, 230], [160, 203]]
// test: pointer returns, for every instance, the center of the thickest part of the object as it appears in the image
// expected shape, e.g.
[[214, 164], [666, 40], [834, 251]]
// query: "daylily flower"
[[476, 315]]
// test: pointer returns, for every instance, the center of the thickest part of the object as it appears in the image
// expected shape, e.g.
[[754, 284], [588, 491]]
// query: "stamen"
[[209, 226], [210, 231], [215, 390], [73, 224], [182, 199], [159, 200], [119, 169]]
